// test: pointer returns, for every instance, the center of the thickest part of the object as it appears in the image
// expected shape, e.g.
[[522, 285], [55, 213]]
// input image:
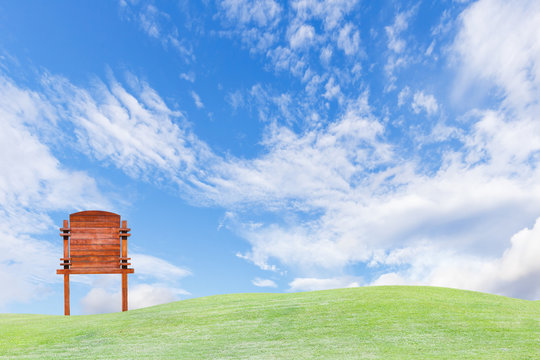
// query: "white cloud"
[[259, 12], [101, 300], [235, 99], [197, 100], [403, 95], [264, 283], [32, 183], [398, 56], [135, 131], [312, 284], [468, 209], [151, 266], [349, 39], [331, 12], [189, 76], [333, 90], [157, 24], [284, 58], [426, 102], [105, 295], [326, 55], [511, 274], [148, 21], [254, 21], [395, 43], [302, 36], [500, 41]]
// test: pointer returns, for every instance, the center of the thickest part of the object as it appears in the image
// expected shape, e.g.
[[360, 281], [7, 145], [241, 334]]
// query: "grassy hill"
[[389, 322]]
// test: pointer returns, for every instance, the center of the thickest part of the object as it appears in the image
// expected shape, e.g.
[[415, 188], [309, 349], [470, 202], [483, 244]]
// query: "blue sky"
[[256, 145]]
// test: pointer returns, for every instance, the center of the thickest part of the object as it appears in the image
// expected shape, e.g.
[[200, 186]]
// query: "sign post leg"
[[66, 294], [124, 292]]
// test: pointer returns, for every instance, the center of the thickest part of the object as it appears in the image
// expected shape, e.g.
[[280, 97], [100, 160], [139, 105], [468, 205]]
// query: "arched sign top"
[[94, 212]]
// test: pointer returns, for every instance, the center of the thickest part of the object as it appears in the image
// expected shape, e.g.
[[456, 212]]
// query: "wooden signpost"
[[95, 243]]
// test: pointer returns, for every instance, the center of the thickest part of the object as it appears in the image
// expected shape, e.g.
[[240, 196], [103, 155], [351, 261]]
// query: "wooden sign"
[[94, 243]]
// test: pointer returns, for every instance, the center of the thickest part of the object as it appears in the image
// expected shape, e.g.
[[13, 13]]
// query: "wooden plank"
[[94, 247], [96, 241], [89, 260], [94, 231], [112, 222], [94, 257], [94, 271], [99, 241], [82, 247], [96, 224], [94, 266], [96, 217], [95, 236], [78, 262], [95, 252], [84, 264]]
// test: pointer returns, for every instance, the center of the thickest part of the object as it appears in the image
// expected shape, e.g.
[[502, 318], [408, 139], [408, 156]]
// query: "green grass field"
[[390, 322]]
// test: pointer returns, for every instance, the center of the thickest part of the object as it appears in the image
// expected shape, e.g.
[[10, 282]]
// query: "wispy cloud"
[[312, 284], [398, 55], [425, 102], [349, 39], [501, 49], [157, 24], [101, 300], [32, 184], [197, 100], [155, 282], [37, 183], [264, 283]]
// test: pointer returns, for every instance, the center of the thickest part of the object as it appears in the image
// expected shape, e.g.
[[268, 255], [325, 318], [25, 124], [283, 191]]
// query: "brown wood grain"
[[89, 232], [86, 225], [96, 258], [97, 241], [105, 246], [102, 266], [78, 253]]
